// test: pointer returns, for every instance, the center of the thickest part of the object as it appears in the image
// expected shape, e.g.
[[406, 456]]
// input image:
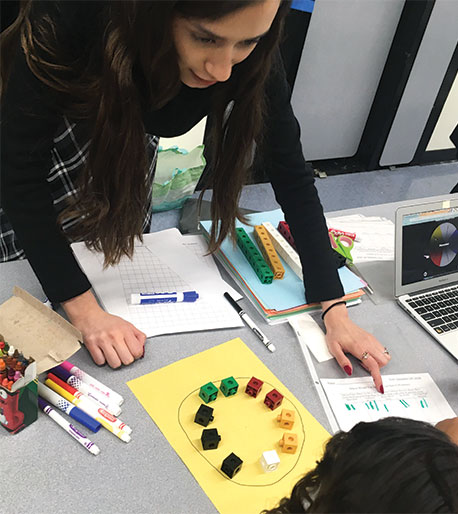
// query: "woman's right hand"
[[108, 338]]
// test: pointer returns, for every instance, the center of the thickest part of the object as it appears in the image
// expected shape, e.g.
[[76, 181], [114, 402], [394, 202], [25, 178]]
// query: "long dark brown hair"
[[130, 64], [391, 465]]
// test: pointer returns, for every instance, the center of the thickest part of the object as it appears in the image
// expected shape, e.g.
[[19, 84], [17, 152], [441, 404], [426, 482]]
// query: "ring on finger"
[[365, 355], [385, 351]]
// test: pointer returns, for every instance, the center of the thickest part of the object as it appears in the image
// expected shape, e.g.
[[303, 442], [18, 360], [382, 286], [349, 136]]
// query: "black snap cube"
[[204, 415], [231, 465], [210, 439]]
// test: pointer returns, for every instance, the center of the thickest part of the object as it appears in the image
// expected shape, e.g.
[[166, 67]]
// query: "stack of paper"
[[374, 236], [283, 298]]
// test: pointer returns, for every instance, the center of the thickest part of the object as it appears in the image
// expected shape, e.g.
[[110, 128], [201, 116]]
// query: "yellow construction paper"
[[246, 425]]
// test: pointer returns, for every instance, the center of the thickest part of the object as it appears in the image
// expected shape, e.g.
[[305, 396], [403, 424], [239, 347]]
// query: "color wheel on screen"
[[444, 244]]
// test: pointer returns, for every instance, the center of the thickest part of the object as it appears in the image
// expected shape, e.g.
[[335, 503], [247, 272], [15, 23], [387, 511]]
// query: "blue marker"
[[74, 412], [149, 298]]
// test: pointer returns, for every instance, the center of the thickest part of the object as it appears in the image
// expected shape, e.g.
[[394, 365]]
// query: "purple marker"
[[68, 427], [87, 390], [65, 406]]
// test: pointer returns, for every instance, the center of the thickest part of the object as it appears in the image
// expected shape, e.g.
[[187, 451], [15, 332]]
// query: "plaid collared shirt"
[[68, 156]]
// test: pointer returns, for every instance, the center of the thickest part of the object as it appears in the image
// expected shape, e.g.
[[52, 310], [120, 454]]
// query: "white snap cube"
[[270, 461]]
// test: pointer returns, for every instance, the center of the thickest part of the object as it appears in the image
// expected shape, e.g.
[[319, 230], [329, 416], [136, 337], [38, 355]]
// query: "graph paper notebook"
[[161, 263]]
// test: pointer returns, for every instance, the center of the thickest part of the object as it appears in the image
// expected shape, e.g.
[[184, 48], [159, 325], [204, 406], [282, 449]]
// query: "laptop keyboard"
[[439, 309]]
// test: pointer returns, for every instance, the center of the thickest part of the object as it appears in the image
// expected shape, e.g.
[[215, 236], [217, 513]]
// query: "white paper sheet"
[[160, 264], [412, 396], [198, 246], [308, 330]]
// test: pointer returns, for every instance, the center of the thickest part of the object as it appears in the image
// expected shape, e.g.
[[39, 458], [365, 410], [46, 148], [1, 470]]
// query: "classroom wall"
[[447, 121], [345, 50], [431, 63]]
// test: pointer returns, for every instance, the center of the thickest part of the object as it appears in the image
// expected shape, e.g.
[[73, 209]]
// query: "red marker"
[[63, 384], [336, 232]]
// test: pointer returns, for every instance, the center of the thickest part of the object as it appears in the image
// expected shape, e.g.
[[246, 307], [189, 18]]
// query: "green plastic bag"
[[177, 174]]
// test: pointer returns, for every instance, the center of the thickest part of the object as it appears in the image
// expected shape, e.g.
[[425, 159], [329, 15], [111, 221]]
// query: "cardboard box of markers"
[[36, 339]]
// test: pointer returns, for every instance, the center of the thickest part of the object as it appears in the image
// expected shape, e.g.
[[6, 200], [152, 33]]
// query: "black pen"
[[264, 340]]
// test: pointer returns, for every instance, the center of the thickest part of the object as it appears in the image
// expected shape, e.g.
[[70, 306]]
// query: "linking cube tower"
[[268, 251], [253, 256], [284, 249], [284, 230]]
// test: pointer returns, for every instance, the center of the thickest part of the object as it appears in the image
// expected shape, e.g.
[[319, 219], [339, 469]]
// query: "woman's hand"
[[108, 338], [450, 427], [343, 336]]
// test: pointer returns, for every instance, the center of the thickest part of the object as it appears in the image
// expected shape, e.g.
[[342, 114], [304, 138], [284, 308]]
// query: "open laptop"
[[426, 267]]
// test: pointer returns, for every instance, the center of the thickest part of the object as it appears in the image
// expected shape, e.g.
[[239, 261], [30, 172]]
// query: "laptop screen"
[[429, 245]]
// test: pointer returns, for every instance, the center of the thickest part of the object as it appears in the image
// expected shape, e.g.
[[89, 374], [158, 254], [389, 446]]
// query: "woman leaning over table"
[[83, 82]]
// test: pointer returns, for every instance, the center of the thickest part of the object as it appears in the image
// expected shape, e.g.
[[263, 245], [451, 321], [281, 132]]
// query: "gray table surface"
[[47, 472]]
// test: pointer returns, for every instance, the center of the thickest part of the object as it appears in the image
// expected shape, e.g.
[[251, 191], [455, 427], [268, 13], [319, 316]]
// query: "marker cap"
[[190, 296], [135, 299], [94, 449], [86, 420], [61, 372], [67, 366]]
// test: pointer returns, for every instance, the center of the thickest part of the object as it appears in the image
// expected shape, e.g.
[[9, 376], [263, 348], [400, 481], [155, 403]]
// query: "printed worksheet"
[[413, 396]]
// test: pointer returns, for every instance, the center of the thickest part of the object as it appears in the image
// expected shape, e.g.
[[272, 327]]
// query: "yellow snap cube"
[[286, 418], [289, 442]]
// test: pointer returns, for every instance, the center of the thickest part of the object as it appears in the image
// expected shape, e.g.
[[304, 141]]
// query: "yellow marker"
[[268, 251]]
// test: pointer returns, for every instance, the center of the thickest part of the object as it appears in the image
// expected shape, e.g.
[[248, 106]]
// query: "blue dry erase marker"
[[149, 298]]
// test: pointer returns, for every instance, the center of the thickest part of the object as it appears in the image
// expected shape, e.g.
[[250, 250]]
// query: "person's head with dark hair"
[[388, 466]]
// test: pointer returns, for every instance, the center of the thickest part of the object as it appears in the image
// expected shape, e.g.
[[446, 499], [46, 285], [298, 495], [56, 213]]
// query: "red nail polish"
[[143, 354], [382, 390], [348, 370]]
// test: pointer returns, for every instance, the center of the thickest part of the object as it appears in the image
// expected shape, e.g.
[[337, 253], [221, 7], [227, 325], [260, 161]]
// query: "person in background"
[[389, 466], [88, 88]]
